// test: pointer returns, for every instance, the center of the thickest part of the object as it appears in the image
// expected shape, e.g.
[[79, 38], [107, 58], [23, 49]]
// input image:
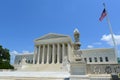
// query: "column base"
[[42, 63], [38, 63], [47, 63], [52, 63], [57, 63]]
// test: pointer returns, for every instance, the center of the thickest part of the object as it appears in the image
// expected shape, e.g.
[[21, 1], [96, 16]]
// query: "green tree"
[[5, 59]]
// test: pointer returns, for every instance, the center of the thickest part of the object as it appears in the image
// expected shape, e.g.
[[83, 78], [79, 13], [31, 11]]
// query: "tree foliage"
[[5, 58]]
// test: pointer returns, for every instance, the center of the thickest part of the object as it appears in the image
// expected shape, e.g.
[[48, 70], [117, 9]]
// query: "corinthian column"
[[63, 51], [43, 54], [53, 53], [34, 56], [48, 51], [69, 50], [58, 53], [38, 51]]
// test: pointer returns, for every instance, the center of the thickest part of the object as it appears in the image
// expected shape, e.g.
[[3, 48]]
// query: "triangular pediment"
[[51, 36]]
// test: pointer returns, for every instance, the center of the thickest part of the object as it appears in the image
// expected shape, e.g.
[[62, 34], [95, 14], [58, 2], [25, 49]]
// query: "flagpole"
[[110, 27]]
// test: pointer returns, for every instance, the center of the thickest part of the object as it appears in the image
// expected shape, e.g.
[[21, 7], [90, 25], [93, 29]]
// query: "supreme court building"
[[58, 53]]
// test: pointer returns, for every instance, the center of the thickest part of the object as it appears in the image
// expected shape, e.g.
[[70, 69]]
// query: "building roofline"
[[96, 49]]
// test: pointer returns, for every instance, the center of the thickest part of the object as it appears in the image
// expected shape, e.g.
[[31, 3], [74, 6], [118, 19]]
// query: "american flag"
[[103, 15]]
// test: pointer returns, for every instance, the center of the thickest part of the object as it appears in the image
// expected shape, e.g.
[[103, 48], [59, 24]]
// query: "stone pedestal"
[[78, 69]]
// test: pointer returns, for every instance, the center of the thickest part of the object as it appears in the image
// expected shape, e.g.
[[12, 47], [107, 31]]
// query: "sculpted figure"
[[66, 64]]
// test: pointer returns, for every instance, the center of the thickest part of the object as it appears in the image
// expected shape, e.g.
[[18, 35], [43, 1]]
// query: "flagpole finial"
[[104, 4]]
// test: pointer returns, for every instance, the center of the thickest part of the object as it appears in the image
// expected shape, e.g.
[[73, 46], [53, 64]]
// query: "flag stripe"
[[103, 15]]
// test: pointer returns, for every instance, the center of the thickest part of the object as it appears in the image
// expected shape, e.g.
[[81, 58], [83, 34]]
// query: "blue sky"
[[22, 21]]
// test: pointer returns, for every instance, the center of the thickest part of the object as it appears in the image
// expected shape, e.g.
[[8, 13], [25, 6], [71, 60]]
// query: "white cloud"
[[108, 39], [14, 52], [12, 56], [90, 46]]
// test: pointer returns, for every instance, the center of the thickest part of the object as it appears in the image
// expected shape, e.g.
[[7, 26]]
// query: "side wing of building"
[[28, 57], [99, 56]]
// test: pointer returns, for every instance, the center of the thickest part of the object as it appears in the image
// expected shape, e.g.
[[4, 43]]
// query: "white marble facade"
[[52, 48], [58, 53]]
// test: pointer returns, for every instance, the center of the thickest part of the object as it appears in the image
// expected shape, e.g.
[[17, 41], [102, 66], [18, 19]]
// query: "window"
[[85, 59], [28, 61], [101, 59], [106, 59], [35, 61], [78, 59], [31, 61], [90, 59], [95, 59], [19, 62]]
